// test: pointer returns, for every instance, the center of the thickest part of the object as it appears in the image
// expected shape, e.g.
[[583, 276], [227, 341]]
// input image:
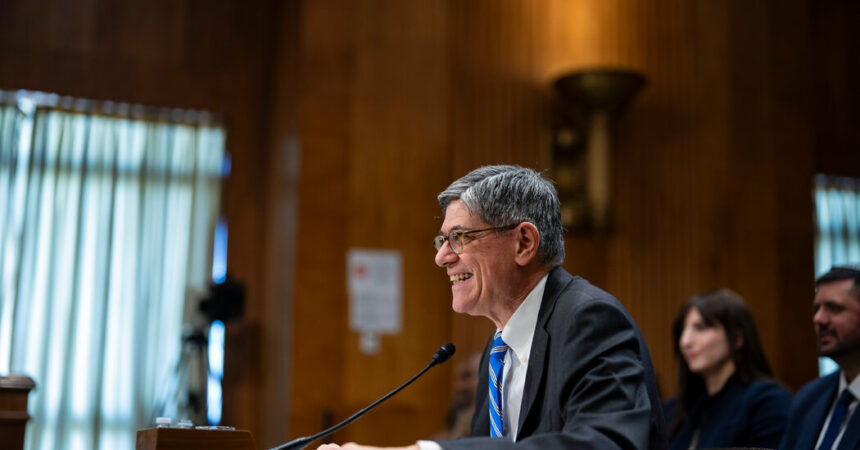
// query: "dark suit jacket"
[[808, 412], [589, 382], [739, 415]]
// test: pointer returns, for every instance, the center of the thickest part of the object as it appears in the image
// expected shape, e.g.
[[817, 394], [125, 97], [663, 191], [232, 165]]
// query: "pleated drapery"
[[106, 222]]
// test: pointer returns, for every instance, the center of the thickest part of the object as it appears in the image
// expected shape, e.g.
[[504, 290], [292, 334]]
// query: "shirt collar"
[[854, 387], [519, 330]]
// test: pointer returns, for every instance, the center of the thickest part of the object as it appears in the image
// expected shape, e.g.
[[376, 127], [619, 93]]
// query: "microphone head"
[[444, 353]]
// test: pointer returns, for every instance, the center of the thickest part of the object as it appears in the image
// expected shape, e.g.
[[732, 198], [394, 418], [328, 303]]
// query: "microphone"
[[444, 353]]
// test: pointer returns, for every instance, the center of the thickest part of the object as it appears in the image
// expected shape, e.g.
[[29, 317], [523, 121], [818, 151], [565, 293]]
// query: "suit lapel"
[[851, 438], [534, 375], [818, 412], [557, 279]]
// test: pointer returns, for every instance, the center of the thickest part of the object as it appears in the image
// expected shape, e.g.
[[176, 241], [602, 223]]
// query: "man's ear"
[[528, 241]]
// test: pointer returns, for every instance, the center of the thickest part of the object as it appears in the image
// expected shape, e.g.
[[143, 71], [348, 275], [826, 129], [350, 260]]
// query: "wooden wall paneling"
[[272, 388], [50, 25], [771, 149], [834, 55], [399, 130], [319, 300], [794, 359], [500, 108], [752, 202]]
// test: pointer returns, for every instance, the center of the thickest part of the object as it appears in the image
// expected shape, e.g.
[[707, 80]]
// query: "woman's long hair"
[[726, 308]]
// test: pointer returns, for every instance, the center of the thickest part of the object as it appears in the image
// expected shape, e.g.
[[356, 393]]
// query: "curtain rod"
[[45, 100]]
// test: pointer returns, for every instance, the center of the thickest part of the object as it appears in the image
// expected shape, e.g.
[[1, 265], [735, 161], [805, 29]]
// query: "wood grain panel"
[[499, 109], [391, 116], [834, 52], [320, 322]]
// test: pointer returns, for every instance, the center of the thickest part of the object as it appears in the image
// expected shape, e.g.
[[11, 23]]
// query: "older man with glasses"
[[567, 366]]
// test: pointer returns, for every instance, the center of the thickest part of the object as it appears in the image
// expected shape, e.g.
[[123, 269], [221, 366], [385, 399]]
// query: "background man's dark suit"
[[589, 382], [808, 411]]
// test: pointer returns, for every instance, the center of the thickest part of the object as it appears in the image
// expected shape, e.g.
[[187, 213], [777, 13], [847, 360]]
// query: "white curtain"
[[837, 231], [837, 208], [107, 222]]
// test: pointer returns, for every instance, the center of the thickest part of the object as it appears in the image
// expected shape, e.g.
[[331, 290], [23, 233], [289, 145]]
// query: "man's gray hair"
[[505, 195]]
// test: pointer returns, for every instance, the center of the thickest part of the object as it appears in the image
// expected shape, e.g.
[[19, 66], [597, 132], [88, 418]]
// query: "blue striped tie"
[[497, 367]]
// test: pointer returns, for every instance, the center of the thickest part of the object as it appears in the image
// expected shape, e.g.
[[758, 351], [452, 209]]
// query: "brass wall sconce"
[[590, 101]]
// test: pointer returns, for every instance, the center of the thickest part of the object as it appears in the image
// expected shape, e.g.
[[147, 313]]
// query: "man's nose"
[[445, 256], [820, 317]]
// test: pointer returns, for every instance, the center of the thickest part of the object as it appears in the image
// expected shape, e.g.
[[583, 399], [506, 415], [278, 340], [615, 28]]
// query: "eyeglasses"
[[457, 239]]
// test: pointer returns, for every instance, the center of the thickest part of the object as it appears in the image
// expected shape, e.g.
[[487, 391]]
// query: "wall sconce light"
[[591, 100]]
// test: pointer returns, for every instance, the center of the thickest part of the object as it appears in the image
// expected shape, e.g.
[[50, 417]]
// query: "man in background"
[[567, 366], [823, 415], [458, 418]]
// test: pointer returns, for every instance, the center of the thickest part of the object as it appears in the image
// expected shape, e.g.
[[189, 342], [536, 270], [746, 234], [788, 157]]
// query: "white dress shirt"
[[854, 387], [517, 333]]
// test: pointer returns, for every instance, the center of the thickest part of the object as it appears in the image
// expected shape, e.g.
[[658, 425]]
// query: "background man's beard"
[[840, 347]]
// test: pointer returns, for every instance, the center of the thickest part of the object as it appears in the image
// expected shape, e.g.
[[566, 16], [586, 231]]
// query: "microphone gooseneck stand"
[[442, 354]]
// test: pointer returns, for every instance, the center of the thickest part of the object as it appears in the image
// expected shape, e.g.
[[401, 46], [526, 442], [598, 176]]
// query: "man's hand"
[[354, 446]]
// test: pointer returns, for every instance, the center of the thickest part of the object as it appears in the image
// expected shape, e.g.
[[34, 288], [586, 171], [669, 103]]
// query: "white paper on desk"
[[375, 282]]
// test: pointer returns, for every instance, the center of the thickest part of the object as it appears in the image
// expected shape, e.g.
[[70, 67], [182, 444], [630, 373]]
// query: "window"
[[107, 215], [217, 331]]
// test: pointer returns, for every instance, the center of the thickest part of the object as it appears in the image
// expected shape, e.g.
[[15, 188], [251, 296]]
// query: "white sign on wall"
[[375, 283]]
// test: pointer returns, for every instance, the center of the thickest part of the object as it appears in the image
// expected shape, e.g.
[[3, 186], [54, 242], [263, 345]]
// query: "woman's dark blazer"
[[752, 415]]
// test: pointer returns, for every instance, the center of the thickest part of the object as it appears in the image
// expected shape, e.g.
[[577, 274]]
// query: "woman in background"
[[726, 395]]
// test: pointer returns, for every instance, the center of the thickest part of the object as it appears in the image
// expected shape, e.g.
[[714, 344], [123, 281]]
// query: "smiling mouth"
[[459, 278]]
